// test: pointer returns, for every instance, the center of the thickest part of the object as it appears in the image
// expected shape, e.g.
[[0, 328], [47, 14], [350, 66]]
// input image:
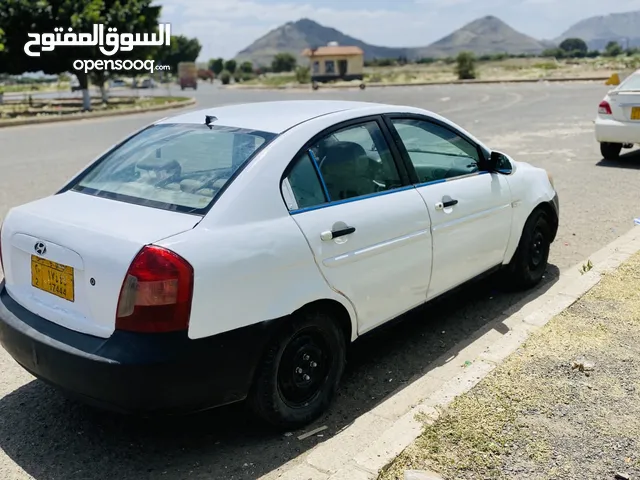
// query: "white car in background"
[[234, 253], [617, 125]]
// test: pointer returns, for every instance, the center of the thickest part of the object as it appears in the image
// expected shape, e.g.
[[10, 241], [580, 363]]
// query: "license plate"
[[52, 277], [635, 113]]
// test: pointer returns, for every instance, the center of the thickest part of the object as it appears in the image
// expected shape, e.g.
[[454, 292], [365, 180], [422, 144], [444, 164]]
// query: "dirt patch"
[[565, 406], [43, 107]]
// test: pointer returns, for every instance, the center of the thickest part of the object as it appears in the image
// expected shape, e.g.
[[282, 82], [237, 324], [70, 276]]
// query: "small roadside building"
[[335, 62]]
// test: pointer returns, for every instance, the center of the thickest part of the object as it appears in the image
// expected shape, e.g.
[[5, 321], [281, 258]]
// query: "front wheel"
[[610, 151], [300, 372], [530, 260]]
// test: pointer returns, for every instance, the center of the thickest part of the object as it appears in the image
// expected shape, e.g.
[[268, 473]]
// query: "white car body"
[[257, 257], [615, 123]]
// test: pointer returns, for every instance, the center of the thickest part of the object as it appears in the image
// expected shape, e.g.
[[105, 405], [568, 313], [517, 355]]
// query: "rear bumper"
[[613, 131], [130, 372]]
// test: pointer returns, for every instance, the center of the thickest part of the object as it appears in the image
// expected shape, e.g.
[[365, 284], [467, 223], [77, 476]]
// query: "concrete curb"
[[361, 450], [421, 84], [84, 116]]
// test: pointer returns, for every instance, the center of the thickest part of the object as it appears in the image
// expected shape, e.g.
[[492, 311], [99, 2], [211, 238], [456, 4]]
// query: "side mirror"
[[498, 162]]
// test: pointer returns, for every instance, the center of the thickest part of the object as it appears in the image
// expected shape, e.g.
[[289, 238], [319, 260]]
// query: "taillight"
[[156, 293], [604, 108]]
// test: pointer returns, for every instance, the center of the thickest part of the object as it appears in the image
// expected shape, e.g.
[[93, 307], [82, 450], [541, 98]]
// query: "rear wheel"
[[530, 260], [299, 374], [610, 151]]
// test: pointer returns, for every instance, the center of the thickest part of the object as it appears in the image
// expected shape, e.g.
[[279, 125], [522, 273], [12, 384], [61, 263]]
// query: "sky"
[[224, 27]]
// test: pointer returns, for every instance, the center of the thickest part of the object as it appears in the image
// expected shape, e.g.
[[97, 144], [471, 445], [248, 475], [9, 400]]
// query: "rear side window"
[[180, 167], [305, 184], [632, 83]]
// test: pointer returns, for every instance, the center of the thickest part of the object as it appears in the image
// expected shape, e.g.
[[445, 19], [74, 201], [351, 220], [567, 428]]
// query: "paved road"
[[45, 437]]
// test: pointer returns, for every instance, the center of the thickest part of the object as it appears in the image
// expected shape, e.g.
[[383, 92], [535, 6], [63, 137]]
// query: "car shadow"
[[51, 437], [630, 160]]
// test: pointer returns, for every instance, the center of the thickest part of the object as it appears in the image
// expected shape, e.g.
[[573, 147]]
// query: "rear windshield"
[[180, 167], [632, 83]]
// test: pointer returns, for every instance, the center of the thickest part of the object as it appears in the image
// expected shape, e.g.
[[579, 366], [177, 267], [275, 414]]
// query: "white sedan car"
[[618, 120], [234, 253]]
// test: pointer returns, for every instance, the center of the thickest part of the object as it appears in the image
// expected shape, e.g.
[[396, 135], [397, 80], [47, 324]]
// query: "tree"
[[283, 62], [246, 67], [554, 52], [613, 49], [216, 65], [18, 17], [182, 49], [572, 45], [466, 66], [230, 66]]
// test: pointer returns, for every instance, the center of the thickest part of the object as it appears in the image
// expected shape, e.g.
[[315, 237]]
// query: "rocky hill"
[[623, 28], [294, 37], [483, 36]]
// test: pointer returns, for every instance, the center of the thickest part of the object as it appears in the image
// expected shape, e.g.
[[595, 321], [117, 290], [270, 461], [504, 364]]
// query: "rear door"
[[368, 230], [470, 209]]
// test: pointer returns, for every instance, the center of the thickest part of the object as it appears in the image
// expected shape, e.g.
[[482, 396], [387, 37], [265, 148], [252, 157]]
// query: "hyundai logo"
[[40, 248]]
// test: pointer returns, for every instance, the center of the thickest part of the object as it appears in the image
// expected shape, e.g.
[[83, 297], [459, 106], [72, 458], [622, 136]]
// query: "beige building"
[[335, 62]]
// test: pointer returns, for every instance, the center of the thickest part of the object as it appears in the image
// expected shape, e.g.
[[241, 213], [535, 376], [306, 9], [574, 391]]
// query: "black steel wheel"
[[300, 371], [530, 259]]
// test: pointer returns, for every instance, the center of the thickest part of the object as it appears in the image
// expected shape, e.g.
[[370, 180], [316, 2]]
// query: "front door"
[[470, 209], [369, 233]]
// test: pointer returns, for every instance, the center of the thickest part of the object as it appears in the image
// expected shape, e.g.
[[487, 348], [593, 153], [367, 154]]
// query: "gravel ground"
[[564, 406]]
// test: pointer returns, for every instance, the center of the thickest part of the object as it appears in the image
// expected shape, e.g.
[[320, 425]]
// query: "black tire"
[[362, 86], [286, 394], [530, 260], [315, 86], [610, 151]]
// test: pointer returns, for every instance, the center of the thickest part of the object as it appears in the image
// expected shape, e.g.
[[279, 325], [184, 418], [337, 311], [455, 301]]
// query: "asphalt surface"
[[44, 436]]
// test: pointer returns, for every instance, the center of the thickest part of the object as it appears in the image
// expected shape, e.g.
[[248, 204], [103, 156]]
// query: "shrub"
[[225, 77], [303, 74], [466, 66]]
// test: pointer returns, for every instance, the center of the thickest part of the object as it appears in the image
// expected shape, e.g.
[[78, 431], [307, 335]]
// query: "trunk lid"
[[66, 256], [625, 105]]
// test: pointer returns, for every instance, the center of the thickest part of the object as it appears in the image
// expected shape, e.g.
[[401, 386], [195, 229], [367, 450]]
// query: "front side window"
[[436, 152], [179, 167]]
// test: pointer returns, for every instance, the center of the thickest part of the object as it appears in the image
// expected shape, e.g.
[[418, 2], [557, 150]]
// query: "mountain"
[[598, 31], [294, 37], [485, 35]]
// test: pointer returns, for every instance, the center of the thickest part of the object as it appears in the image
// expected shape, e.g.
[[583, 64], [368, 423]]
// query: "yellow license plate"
[[635, 113], [52, 277]]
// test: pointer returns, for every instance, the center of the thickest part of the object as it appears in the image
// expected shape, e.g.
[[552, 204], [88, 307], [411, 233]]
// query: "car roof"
[[275, 116]]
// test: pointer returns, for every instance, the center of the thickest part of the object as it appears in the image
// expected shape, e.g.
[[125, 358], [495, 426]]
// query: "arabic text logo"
[[109, 44]]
